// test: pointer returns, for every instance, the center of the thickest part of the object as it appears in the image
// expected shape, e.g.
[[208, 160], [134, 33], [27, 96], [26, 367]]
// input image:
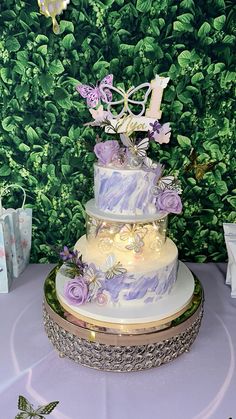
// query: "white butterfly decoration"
[[135, 149], [167, 182], [126, 99], [93, 228], [136, 244], [113, 268], [149, 163], [92, 274], [94, 277]]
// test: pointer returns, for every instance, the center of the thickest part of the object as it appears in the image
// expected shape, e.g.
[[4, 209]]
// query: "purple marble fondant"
[[128, 288], [142, 286], [124, 190]]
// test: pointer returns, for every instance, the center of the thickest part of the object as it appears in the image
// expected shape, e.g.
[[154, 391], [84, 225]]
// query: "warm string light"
[[131, 238]]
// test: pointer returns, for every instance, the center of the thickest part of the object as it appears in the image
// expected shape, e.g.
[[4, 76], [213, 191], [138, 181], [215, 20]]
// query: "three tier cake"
[[123, 277]]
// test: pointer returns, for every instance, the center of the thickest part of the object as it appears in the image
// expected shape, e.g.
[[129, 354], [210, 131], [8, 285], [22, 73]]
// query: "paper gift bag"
[[20, 222], [230, 240], [25, 230], [6, 265]]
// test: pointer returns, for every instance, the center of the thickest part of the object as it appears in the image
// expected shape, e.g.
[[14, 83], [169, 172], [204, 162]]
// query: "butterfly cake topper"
[[52, 8], [125, 111]]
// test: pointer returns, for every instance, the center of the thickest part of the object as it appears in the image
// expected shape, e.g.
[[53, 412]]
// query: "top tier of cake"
[[124, 191]]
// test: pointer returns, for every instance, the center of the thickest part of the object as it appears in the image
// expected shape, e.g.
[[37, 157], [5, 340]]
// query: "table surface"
[[200, 384]]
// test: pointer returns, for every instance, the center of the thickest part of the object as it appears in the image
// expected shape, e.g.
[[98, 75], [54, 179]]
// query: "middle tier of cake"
[[126, 191], [129, 278]]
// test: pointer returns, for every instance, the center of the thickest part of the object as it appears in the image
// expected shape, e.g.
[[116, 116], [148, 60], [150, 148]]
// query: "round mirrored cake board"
[[119, 345]]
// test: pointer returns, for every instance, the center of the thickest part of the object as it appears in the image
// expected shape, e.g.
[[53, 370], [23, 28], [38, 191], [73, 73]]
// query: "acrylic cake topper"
[[52, 8], [126, 99], [125, 120]]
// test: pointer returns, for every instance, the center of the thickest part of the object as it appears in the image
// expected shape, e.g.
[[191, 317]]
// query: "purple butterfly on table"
[[93, 94]]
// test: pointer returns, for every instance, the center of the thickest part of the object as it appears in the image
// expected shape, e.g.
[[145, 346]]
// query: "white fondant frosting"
[[124, 191], [147, 279], [178, 298]]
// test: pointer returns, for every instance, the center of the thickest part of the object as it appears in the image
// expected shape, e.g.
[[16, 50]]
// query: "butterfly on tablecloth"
[[28, 411], [134, 98], [52, 8], [138, 149], [199, 169], [94, 94]]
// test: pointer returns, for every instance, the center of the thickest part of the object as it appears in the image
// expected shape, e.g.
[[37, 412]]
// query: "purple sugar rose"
[[169, 201], [76, 291], [107, 152]]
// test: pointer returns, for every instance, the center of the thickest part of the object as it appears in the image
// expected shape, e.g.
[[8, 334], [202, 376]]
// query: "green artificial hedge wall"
[[45, 147]]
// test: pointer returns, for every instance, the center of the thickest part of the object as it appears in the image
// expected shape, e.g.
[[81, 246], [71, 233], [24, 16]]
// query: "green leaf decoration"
[[56, 67], [8, 124], [183, 141], [204, 30], [12, 44], [24, 147], [46, 82], [219, 22], [144, 6], [68, 41], [184, 58], [197, 77]]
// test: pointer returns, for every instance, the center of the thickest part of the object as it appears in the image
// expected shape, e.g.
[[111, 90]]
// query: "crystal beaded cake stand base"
[[108, 348]]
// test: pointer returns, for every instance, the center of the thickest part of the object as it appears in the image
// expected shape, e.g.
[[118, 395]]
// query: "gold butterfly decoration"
[[199, 169], [52, 8], [28, 411]]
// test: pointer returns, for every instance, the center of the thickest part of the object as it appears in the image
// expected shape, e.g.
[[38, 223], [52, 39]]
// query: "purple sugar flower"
[[156, 126], [76, 291], [169, 201], [107, 152], [67, 254]]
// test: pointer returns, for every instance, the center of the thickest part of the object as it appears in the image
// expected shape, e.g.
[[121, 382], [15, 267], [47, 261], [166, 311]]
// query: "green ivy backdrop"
[[44, 146]]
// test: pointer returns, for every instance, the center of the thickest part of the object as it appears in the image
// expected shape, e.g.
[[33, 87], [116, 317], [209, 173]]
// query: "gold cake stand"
[[115, 347]]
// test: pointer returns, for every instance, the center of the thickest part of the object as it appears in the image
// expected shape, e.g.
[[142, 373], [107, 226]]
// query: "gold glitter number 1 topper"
[[52, 8]]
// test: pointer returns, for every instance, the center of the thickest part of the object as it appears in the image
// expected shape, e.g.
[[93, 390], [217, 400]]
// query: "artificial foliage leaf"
[[46, 82], [219, 22], [184, 58], [204, 30], [183, 141], [12, 44], [144, 6]]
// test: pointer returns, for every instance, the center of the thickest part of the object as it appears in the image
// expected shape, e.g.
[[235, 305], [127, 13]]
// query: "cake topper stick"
[[52, 8], [157, 85]]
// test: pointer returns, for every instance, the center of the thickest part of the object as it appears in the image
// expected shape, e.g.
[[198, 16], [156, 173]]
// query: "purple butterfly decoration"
[[93, 95]]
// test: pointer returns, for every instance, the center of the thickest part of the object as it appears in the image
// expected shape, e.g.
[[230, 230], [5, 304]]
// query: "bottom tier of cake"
[[116, 278], [165, 308], [121, 349]]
